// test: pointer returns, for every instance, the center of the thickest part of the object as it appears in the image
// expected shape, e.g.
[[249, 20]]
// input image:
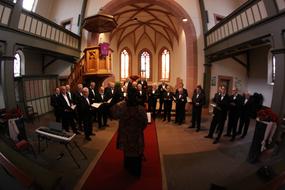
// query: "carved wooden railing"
[[76, 75], [6, 8], [38, 26], [250, 13]]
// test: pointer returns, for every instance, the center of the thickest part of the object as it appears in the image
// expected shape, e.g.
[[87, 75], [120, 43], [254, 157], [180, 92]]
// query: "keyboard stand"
[[62, 140]]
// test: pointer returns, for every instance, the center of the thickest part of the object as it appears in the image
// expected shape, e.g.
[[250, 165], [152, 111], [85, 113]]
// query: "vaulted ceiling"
[[143, 21]]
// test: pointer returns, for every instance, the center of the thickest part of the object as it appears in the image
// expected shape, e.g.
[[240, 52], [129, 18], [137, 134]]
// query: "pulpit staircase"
[[93, 66]]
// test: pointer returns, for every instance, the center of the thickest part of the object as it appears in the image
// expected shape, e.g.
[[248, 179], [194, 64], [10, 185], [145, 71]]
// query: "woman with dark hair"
[[132, 122]]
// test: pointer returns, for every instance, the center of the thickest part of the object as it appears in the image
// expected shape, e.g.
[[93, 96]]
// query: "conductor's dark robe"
[[220, 115], [102, 110], [168, 99], [181, 100], [54, 102], [198, 100], [244, 121], [141, 97], [235, 103], [67, 114], [86, 111]]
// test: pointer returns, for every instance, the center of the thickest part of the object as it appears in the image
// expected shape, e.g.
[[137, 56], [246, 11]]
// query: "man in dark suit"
[[235, 103], [76, 100], [245, 114], [184, 92], [141, 95], [220, 115], [109, 90], [181, 100], [143, 82], [86, 112], [198, 100], [67, 111], [92, 97], [92, 92], [54, 102], [162, 90], [152, 96], [102, 110], [168, 99], [69, 93]]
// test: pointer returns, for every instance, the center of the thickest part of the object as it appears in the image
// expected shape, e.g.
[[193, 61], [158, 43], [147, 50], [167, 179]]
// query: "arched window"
[[164, 65], [125, 64], [19, 66], [145, 64]]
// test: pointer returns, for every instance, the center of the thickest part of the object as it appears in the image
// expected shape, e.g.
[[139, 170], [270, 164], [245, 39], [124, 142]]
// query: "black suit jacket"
[[85, 109], [162, 90], [63, 106], [198, 101], [141, 97], [91, 95], [222, 106]]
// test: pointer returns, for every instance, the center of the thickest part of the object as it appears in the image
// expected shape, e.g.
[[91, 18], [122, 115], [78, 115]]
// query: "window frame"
[[150, 63], [160, 65], [130, 62], [22, 63]]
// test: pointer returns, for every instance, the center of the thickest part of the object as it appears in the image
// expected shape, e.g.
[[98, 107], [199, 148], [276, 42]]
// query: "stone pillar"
[[7, 78], [207, 80]]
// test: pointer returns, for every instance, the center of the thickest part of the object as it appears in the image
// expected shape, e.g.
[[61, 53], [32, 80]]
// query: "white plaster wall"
[[229, 67], [72, 9], [220, 7], [193, 9], [44, 8], [258, 74], [59, 67]]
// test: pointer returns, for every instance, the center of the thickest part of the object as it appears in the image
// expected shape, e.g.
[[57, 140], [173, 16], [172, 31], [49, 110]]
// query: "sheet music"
[[189, 99], [96, 105], [109, 101], [73, 106]]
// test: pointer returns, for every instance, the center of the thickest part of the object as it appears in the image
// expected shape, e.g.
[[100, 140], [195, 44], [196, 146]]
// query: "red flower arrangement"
[[266, 114]]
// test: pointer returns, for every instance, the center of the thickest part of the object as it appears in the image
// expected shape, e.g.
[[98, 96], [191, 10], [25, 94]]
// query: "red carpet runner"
[[109, 173]]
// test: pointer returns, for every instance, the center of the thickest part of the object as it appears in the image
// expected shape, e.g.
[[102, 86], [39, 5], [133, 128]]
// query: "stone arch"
[[188, 27]]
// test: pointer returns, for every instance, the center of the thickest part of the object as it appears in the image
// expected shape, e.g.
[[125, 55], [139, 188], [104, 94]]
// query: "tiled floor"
[[174, 140]]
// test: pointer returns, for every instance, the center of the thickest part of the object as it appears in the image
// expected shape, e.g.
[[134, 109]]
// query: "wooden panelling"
[[280, 4], [262, 9], [22, 21], [6, 15], [28, 23], [34, 26]]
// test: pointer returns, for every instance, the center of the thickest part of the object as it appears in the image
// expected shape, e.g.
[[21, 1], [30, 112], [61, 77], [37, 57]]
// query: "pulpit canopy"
[[100, 23]]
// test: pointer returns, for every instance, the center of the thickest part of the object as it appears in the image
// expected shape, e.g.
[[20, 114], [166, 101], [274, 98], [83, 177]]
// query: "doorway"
[[227, 82]]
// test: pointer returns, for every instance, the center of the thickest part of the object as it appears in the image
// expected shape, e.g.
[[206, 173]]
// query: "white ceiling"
[[144, 21]]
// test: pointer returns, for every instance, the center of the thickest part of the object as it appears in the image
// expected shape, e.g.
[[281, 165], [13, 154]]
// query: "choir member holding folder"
[[67, 111]]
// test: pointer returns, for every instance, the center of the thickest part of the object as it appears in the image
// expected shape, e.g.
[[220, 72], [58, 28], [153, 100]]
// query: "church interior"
[[195, 66]]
